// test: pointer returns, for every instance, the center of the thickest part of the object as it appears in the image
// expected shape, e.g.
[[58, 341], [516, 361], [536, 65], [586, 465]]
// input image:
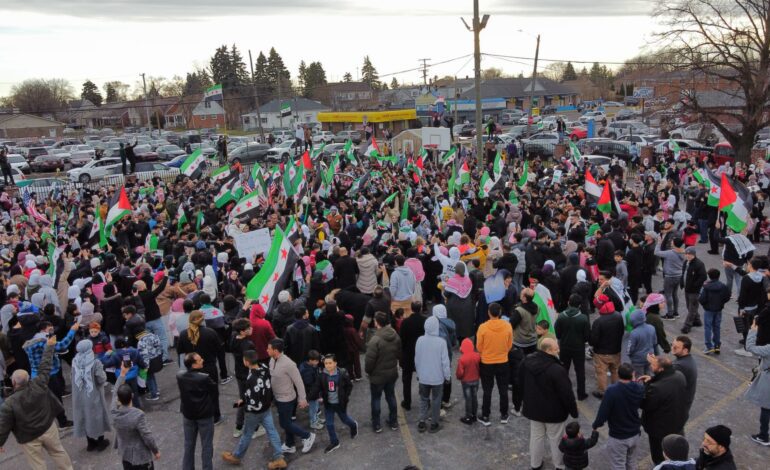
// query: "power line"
[[638, 63]]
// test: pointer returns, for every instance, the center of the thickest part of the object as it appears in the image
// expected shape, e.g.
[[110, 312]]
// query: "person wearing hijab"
[[459, 303], [204, 341], [89, 409]]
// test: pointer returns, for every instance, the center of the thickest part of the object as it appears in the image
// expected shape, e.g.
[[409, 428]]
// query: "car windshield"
[[285, 144]]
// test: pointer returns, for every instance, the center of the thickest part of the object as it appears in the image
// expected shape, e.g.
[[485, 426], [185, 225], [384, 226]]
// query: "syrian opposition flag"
[[121, 209], [487, 183], [317, 151], [545, 307], [274, 274], [350, 153], [674, 147], [575, 154], [247, 204], [605, 200], [449, 156], [192, 163], [737, 204], [97, 229], [388, 200], [715, 189], [214, 92], [358, 184], [524, 175], [326, 269], [592, 188], [222, 173], [497, 166], [227, 192], [305, 161], [292, 179]]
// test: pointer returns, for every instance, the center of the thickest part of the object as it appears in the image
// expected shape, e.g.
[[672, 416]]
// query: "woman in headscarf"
[[232, 285], [210, 283], [459, 302], [89, 409], [448, 332], [204, 341]]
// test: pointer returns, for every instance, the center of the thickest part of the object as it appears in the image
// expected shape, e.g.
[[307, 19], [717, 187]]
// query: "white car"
[[543, 138], [18, 162], [661, 145], [640, 140], [61, 153], [612, 104], [525, 119], [144, 171], [281, 136], [95, 169], [326, 137], [596, 116]]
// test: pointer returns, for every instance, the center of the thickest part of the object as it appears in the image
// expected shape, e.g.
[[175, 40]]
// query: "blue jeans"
[[252, 421], [152, 384], [312, 410], [191, 429], [764, 420], [712, 321], [329, 411], [390, 397], [731, 277], [285, 410], [156, 326], [470, 393], [703, 227]]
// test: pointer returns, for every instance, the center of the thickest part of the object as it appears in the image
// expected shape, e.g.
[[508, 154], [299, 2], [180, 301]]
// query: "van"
[[723, 152]]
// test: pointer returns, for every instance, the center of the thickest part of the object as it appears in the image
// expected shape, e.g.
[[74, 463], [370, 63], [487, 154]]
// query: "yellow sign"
[[370, 116], [536, 111]]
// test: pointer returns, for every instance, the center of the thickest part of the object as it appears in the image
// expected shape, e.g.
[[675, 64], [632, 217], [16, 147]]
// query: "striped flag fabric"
[[449, 156], [192, 163], [305, 161], [350, 153], [451, 182], [222, 173], [182, 220], [405, 205], [30, 204], [486, 185], [317, 151], [373, 150], [715, 189], [293, 178], [524, 175], [274, 274], [214, 92], [326, 269], [151, 243], [358, 184], [121, 209], [546, 311], [674, 147], [497, 166], [575, 154], [737, 204], [605, 200], [97, 228], [199, 221], [592, 188], [246, 204], [226, 193], [388, 200], [463, 175]]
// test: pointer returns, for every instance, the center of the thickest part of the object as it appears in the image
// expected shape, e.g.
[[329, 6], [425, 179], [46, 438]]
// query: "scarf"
[[741, 243], [194, 327], [416, 267], [82, 366], [458, 285]]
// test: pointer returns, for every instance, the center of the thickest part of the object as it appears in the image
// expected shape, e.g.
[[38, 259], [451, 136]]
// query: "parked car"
[[661, 145], [549, 109], [617, 129], [332, 149], [640, 140], [464, 130], [144, 171], [596, 116], [44, 163], [548, 138], [511, 117], [206, 149], [608, 148], [323, 136], [281, 152], [251, 152], [723, 152], [144, 153], [631, 101], [342, 136], [65, 156], [701, 132], [541, 150], [599, 161], [525, 119], [17, 176], [168, 152], [625, 115], [282, 135], [18, 162], [517, 131], [577, 132], [612, 104], [95, 169], [34, 152]]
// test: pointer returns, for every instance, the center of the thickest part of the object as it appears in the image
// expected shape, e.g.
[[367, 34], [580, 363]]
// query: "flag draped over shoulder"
[[546, 311], [274, 274], [736, 201]]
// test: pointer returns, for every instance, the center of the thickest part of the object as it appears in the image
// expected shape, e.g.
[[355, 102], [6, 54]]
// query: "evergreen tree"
[[393, 84], [196, 82], [569, 72], [276, 70], [622, 91], [91, 93], [369, 74], [347, 78], [221, 67], [584, 72], [315, 77], [240, 74], [261, 77], [301, 77], [115, 91]]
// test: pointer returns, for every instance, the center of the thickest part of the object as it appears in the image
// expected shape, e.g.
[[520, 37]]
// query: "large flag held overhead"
[[292, 179], [222, 173], [487, 183], [715, 189], [326, 269], [274, 274], [227, 192], [246, 205], [605, 200], [388, 200], [575, 154], [592, 188], [497, 166], [192, 163], [546, 311], [449, 156], [463, 176], [350, 153], [735, 199], [674, 147], [97, 229], [524, 175], [121, 209]]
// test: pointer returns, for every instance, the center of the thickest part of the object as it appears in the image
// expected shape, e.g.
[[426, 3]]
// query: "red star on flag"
[[550, 303], [324, 277], [265, 299], [238, 210], [284, 254], [248, 204], [713, 189], [275, 277]]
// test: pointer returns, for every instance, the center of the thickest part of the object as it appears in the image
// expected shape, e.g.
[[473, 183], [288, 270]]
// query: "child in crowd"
[[312, 380], [468, 374], [621, 268], [335, 390], [575, 447], [543, 331]]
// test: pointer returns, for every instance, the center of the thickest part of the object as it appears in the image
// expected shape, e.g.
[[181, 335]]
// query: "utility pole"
[[280, 103], [478, 25], [146, 105], [457, 98], [256, 99], [424, 71], [532, 85]]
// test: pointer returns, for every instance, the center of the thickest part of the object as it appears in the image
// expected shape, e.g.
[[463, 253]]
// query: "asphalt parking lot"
[[721, 384]]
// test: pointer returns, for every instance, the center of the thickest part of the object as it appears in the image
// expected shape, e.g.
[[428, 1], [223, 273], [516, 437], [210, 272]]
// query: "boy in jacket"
[[574, 446], [641, 341], [468, 375], [311, 377], [713, 297], [335, 390], [256, 401]]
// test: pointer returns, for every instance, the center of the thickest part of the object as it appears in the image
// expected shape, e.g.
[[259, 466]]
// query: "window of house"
[[203, 118], [264, 120], [206, 104]]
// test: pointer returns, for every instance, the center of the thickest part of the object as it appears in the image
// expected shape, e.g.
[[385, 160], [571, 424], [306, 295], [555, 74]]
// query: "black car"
[[549, 109], [608, 148], [538, 150]]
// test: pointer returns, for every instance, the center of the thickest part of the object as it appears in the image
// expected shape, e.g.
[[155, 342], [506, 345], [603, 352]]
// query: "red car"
[[46, 163], [577, 133], [144, 153]]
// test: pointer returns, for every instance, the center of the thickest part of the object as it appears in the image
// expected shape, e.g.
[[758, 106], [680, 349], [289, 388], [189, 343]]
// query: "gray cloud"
[[152, 10]]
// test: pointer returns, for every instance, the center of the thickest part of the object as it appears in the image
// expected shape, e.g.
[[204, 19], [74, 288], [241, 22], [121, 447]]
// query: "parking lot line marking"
[[586, 411], [721, 365], [406, 436]]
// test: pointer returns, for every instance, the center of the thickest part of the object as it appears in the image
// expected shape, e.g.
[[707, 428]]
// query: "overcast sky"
[[107, 40]]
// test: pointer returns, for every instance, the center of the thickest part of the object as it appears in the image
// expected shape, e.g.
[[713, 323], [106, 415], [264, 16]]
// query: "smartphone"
[[127, 361], [237, 405]]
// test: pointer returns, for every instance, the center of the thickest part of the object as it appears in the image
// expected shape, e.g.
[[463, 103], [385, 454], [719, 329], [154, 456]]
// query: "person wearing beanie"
[[676, 450], [606, 340], [715, 450]]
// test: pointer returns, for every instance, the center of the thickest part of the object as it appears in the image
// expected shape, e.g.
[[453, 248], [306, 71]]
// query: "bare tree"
[[554, 71], [723, 41], [491, 73], [41, 96]]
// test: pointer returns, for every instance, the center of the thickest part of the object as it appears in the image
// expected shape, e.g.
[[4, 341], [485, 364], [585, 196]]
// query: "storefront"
[[396, 120]]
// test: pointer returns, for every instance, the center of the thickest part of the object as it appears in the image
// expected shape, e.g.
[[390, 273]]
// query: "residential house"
[[20, 126], [207, 114], [498, 94], [347, 96], [296, 110]]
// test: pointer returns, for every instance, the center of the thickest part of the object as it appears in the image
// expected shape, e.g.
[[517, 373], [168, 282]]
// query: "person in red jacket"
[[261, 331], [468, 374]]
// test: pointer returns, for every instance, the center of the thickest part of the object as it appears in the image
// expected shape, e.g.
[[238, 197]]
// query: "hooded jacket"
[[367, 273], [664, 407], [469, 363], [382, 355], [546, 389], [431, 359], [494, 340], [402, 284], [299, 339], [642, 340], [573, 330], [50, 296], [714, 296], [752, 292], [607, 333]]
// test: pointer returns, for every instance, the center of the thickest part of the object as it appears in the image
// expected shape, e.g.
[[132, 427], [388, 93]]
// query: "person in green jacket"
[[573, 329]]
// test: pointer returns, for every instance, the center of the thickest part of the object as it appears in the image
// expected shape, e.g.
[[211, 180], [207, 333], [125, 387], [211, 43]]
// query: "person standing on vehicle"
[[5, 167], [123, 157], [299, 136], [130, 157]]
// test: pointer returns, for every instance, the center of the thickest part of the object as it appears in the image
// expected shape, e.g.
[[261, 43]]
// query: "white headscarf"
[[83, 364]]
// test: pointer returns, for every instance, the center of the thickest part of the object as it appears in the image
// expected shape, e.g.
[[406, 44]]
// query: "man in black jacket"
[[635, 264], [197, 392], [548, 400], [715, 451], [152, 311], [301, 337], [606, 340], [411, 330], [605, 252], [664, 406], [345, 270], [693, 278]]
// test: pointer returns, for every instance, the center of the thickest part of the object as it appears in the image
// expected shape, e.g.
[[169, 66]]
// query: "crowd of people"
[[402, 270]]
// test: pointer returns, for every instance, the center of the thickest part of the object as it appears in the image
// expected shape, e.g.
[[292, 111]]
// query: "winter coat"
[[573, 330], [342, 383], [654, 319], [134, 438], [575, 450], [367, 273], [494, 340], [50, 294], [431, 358], [664, 406], [333, 335], [113, 318], [642, 340], [411, 330], [607, 333], [723, 462], [469, 363], [382, 355], [402, 284], [546, 389], [759, 390], [694, 276], [345, 270], [283, 315], [89, 410], [311, 377], [197, 391], [463, 312], [299, 339], [714, 296]]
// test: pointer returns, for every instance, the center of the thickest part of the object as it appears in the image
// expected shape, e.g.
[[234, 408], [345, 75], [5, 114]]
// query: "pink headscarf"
[[459, 285], [416, 266]]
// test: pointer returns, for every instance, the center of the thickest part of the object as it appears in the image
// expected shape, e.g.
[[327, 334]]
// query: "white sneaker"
[[743, 352], [516, 413], [259, 433], [442, 413], [288, 450], [237, 433], [317, 426], [307, 444]]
